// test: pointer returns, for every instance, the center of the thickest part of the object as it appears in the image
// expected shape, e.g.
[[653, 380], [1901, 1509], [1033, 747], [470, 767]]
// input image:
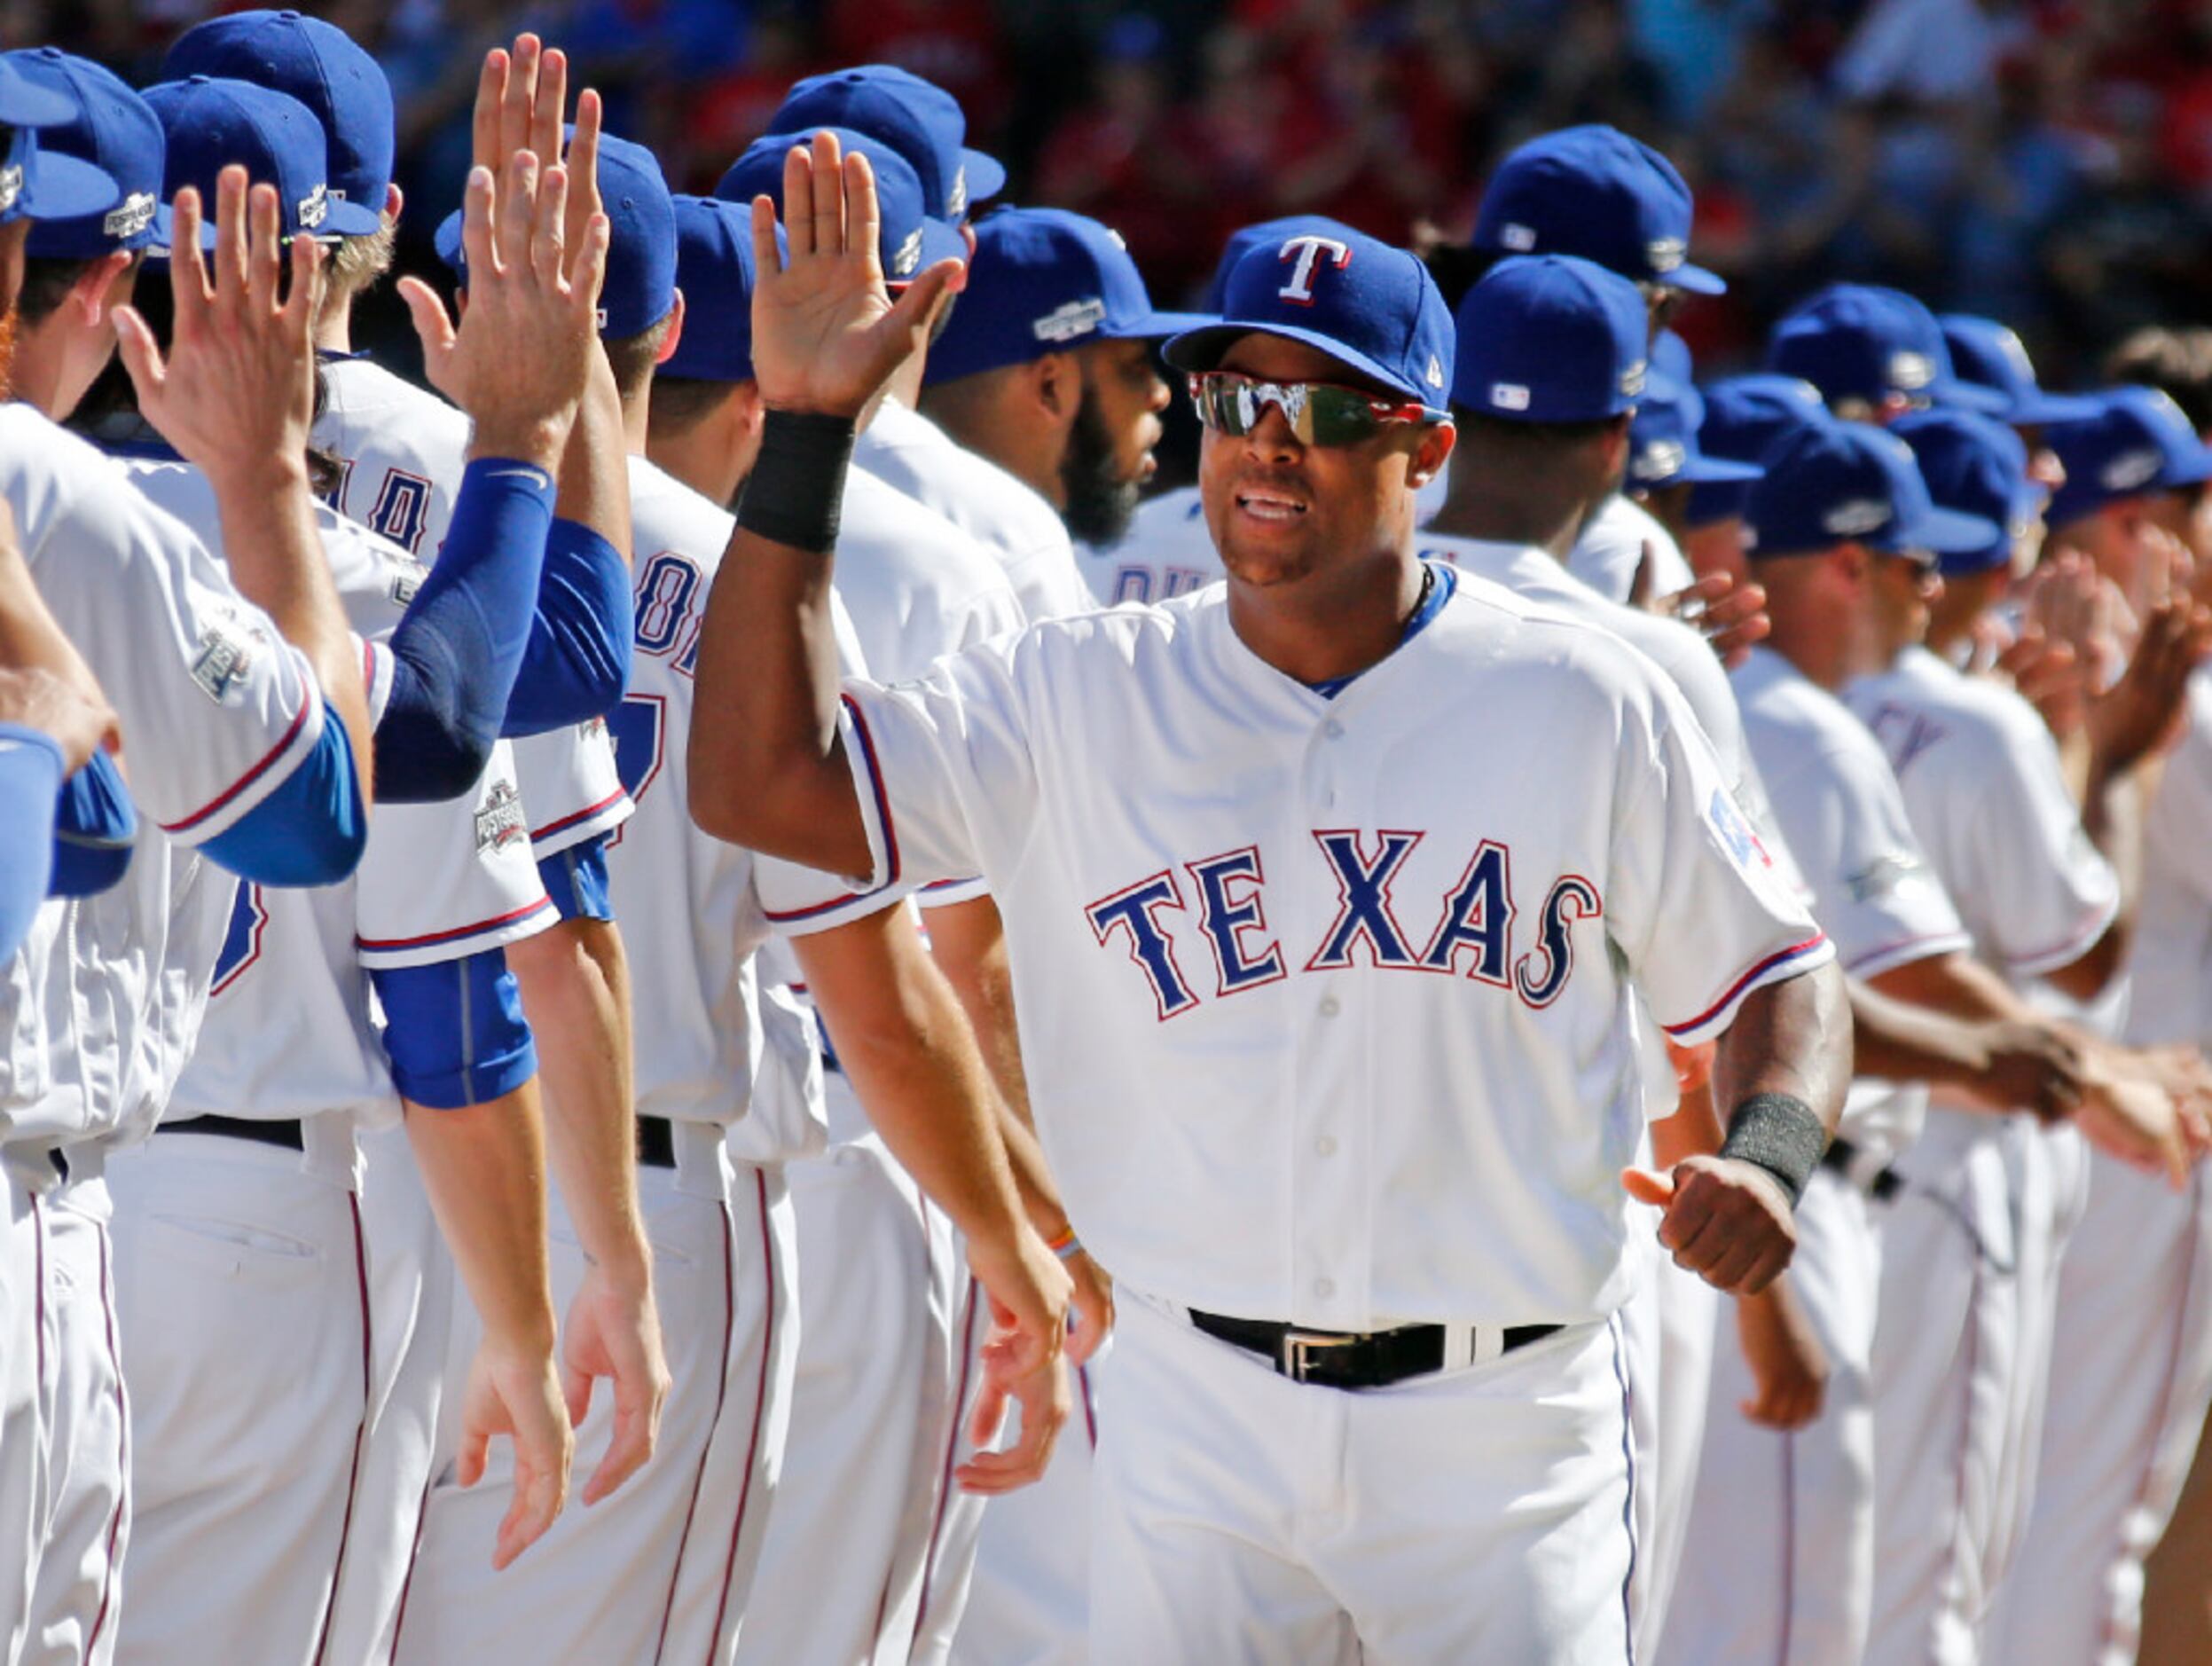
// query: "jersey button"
[[1330, 1006], [1324, 1288], [1333, 729], [1324, 1146]]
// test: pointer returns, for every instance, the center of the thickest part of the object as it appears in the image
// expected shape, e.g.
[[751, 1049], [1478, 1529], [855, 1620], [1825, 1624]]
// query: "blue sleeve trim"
[[311, 830], [576, 880], [459, 647], [30, 777], [95, 825], [577, 666], [454, 1031]]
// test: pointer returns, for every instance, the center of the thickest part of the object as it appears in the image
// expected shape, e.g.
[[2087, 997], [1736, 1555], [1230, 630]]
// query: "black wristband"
[[1779, 1133], [799, 482]]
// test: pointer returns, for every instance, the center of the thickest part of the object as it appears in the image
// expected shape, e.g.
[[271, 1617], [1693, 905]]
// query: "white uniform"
[[2131, 1361], [239, 1267], [1615, 542], [903, 449], [663, 1568], [218, 711], [403, 451], [1969, 1278], [1276, 926], [1168, 552], [871, 1546], [1780, 1559]]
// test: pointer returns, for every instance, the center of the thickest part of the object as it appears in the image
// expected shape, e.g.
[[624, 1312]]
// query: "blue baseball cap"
[[211, 122], [641, 285], [2134, 441], [1744, 416], [114, 131], [37, 184], [1663, 448], [1595, 192], [1865, 342], [318, 64], [1987, 354], [1977, 466], [1373, 309], [1044, 280], [1851, 482], [1670, 358], [714, 269], [1550, 338], [912, 240], [916, 118], [1246, 239]]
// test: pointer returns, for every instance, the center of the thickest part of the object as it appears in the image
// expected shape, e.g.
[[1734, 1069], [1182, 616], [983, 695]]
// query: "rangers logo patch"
[[223, 662], [500, 819]]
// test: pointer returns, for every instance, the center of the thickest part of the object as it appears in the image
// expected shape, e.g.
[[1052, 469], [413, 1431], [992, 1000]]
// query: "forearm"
[[594, 471], [484, 1167], [1790, 1038], [574, 980], [967, 941], [1902, 1042]]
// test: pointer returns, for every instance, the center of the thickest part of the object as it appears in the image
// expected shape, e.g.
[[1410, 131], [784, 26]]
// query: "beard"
[[1100, 502]]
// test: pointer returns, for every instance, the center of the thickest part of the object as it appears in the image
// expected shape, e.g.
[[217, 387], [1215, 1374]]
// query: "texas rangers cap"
[[211, 122], [1850, 482], [36, 184], [1979, 467], [912, 240], [1246, 239], [1373, 309], [2134, 441], [916, 118], [1663, 449], [1044, 280], [1864, 342], [117, 132], [1987, 354], [318, 64], [1593, 191], [1550, 338], [714, 269], [640, 286], [1744, 416]]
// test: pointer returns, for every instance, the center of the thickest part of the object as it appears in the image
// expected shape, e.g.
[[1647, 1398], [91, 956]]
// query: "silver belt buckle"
[[1295, 1356]]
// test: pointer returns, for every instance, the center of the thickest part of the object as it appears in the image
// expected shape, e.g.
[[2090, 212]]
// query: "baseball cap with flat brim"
[[1987, 354], [1246, 239], [1593, 191], [1977, 466], [37, 184], [916, 118], [1663, 448], [1852, 483], [210, 122], [1865, 342], [117, 132], [1550, 338], [2134, 441], [1372, 308], [910, 239]]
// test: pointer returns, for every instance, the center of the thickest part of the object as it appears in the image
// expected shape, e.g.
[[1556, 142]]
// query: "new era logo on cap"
[[1434, 374], [1304, 254], [1070, 320]]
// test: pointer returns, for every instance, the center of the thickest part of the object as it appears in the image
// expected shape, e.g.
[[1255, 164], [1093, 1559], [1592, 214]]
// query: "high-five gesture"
[[826, 334]]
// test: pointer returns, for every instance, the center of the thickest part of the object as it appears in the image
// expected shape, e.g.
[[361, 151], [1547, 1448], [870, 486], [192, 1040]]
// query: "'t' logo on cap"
[[1305, 253]]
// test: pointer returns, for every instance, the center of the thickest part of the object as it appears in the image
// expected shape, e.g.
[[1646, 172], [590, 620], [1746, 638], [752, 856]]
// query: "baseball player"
[[1243, 1506], [1742, 415], [1874, 353]]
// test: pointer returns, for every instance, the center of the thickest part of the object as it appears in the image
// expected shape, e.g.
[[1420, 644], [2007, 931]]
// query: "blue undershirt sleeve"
[[577, 666], [454, 1031], [30, 777], [310, 830]]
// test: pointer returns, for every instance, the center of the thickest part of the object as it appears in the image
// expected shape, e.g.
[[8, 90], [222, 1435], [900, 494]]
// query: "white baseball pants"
[[22, 1443]]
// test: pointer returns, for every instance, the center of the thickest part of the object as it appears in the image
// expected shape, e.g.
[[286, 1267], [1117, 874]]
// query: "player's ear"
[[1057, 385], [675, 331], [1430, 452], [395, 203], [91, 295]]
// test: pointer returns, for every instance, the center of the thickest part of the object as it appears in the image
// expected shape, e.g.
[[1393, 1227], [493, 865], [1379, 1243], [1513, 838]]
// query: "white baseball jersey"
[[2170, 959], [694, 908], [403, 450], [1167, 552], [917, 588], [290, 1028], [903, 448], [1327, 1017], [216, 711], [1845, 820], [1615, 541], [1990, 807]]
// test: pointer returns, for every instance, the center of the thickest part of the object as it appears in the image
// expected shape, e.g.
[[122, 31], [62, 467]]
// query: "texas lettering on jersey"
[[1223, 904]]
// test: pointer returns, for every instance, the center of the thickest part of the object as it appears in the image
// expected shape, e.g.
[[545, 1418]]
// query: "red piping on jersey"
[[1736, 989], [390, 944], [309, 702], [584, 814], [360, 1431], [714, 1424], [883, 817], [760, 1410]]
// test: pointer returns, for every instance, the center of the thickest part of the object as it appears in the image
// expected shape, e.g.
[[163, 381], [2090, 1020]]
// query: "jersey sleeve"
[[1697, 905], [571, 786], [441, 882]]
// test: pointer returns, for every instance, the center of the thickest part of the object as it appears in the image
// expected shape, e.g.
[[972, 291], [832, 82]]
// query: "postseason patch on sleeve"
[[225, 661], [1736, 835]]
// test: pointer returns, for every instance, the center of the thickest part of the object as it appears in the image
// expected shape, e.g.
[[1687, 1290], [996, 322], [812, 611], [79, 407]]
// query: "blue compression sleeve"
[[458, 648], [576, 879], [95, 825], [310, 830], [577, 664], [31, 776], [454, 1031]]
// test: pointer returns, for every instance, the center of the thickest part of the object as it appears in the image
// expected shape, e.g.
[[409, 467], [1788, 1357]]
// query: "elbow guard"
[[454, 1033], [95, 825], [308, 832], [576, 881], [577, 666]]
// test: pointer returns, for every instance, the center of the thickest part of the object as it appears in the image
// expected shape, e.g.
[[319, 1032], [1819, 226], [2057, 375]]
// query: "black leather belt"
[[656, 1142], [1339, 1359], [1840, 1157], [280, 1131]]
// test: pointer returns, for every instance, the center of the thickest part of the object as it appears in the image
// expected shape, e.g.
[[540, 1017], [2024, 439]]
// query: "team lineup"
[[706, 992]]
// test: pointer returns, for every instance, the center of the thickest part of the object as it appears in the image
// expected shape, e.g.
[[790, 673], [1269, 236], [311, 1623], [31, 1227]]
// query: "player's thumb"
[[429, 313], [575, 1390], [1646, 1186], [134, 346]]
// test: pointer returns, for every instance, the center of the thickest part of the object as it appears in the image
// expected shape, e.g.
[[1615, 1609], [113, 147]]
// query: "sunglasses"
[[1319, 412]]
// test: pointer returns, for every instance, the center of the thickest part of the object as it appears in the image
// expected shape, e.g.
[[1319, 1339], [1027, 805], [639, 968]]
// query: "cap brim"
[[985, 176], [1695, 279], [2040, 410], [1201, 349], [2192, 470], [58, 187], [24, 103], [1942, 531], [447, 240], [1716, 471], [1155, 326], [1972, 396], [342, 218]]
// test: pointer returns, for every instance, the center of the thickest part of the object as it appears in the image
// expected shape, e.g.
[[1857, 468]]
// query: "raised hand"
[[515, 1394], [1732, 618], [236, 393], [615, 1333], [2141, 711], [826, 335], [2048, 674]]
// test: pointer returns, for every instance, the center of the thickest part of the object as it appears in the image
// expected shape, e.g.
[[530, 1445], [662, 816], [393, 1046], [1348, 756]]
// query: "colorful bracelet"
[[1064, 1244]]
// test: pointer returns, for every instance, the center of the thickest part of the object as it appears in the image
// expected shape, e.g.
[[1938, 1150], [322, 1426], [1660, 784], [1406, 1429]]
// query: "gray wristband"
[[1779, 1133], [797, 485]]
